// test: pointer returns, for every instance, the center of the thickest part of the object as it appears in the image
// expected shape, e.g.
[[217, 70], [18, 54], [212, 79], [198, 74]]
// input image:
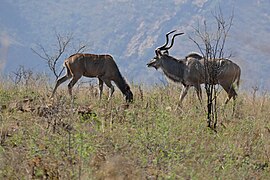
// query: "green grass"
[[151, 138]]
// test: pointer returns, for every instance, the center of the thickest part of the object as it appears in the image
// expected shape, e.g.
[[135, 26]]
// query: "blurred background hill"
[[131, 30]]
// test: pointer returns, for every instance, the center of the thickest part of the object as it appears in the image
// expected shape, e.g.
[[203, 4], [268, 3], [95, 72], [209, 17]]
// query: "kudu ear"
[[158, 52], [166, 52]]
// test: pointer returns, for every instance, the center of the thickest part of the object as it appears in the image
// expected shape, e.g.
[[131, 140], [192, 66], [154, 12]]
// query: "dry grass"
[[148, 139]]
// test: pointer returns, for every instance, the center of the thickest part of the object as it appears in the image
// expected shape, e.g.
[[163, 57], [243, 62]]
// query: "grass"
[[151, 138]]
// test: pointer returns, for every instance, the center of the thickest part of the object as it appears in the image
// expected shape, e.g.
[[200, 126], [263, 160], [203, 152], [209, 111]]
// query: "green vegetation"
[[151, 138]]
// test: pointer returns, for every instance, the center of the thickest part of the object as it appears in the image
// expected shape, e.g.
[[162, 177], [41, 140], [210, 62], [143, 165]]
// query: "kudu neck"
[[174, 69], [121, 84]]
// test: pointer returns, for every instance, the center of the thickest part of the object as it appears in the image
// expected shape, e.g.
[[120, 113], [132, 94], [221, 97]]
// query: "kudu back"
[[102, 67], [190, 71]]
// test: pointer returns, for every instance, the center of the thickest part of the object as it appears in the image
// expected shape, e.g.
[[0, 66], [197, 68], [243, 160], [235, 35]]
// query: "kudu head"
[[162, 51], [128, 94]]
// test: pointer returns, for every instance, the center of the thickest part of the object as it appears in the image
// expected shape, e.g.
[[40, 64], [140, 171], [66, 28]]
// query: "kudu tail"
[[68, 72], [238, 77]]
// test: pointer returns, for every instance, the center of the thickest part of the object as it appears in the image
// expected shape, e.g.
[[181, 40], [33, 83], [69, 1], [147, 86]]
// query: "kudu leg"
[[100, 84], [183, 93], [230, 91], [109, 84], [59, 81], [229, 98], [72, 83], [199, 92]]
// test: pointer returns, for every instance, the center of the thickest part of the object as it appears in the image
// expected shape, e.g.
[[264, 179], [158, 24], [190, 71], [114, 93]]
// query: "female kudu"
[[91, 65]]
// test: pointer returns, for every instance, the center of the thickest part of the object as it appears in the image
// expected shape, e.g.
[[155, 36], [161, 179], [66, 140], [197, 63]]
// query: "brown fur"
[[102, 67]]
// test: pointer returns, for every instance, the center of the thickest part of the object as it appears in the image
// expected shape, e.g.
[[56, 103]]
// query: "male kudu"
[[191, 70]]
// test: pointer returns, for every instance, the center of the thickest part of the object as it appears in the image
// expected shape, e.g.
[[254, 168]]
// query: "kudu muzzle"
[[152, 64]]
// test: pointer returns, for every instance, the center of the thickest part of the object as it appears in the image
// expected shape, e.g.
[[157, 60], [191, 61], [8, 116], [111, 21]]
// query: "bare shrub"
[[23, 77], [63, 44], [212, 46]]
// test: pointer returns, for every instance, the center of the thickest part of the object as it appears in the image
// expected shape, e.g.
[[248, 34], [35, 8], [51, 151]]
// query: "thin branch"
[[81, 49]]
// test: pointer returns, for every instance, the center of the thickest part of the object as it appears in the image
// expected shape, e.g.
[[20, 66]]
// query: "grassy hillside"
[[151, 138]]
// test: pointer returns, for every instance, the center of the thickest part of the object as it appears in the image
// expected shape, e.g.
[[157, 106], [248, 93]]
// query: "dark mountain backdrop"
[[131, 30]]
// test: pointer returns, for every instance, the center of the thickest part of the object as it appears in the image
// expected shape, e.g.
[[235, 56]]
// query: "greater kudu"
[[102, 67], [191, 70]]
